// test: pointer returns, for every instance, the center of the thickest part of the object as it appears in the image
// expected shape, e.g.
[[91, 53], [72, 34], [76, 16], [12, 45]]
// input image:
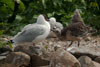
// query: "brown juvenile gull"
[[76, 29], [33, 32]]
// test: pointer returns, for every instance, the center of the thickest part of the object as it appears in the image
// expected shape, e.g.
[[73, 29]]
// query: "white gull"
[[33, 32], [55, 26]]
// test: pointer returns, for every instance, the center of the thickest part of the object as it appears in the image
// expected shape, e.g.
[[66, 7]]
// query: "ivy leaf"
[[1, 32], [69, 0], [46, 47], [8, 3], [94, 4], [44, 3], [10, 45], [21, 7]]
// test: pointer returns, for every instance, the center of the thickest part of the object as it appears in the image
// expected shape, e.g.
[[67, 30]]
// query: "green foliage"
[[21, 7], [4, 43], [10, 45], [1, 32], [6, 8], [46, 47], [8, 3]]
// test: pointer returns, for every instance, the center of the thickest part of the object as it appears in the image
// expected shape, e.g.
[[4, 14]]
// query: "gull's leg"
[[33, 44], [71, 43], [78, 43]]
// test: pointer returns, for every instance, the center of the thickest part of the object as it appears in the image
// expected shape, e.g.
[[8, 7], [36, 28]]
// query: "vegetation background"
[[15, 14]]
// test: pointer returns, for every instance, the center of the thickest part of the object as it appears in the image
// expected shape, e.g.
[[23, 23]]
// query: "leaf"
[[21, 7], [59, 2], [44, 3], [18, 19], [49, 14], [0, 44], [1, 32], [46, 47], [94, 4], [69, 0], [3, 10], [10, 45], [8, 3]]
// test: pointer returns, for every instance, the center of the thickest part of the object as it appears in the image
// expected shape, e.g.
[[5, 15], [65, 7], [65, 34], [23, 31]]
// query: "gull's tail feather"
[[10, 41]]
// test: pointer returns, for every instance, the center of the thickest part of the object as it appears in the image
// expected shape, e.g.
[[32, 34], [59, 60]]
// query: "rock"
[[96, 64], [52, 35], [2, 57], [87, 38], [38, 61], [11, 65], [8, 65], [5, 49], [28, 49], [2, 61], [62, 58], [5, 53], [97, 59], [92, 52], [18, 58], [85, 61]]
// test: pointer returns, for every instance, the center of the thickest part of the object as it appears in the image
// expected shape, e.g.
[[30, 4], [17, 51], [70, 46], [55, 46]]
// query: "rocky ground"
[[52, 53]]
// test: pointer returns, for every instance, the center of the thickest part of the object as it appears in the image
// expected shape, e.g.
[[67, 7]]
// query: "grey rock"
[[96, 64], [18, 58], [8, 65], [5, 53], [5, 49], [92, 52], [38, 61], [28, 49], [97, 59], [2, 57], [62, 58], [2, 60], [85, 61], [52, 35]]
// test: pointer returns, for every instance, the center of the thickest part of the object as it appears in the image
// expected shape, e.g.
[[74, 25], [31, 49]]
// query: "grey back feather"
[[29, 34]]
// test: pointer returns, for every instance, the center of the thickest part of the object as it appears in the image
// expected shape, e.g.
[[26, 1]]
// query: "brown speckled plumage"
[[75, 29]]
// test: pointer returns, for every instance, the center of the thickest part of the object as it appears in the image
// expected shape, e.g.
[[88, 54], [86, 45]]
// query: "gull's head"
[[77, 17], [77, 11], [53, 20], [41, 19]]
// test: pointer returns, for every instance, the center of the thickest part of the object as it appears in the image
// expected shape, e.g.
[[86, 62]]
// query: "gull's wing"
[[28, 34], [59, 26], [56, 27], [77, 29], [27, 26]]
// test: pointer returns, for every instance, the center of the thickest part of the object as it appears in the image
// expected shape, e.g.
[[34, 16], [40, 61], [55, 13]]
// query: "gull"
[[76, 30], [33, 32], [56, 27]]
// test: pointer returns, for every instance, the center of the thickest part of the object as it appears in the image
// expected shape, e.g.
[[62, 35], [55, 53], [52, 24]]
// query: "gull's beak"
[[46, 18]]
